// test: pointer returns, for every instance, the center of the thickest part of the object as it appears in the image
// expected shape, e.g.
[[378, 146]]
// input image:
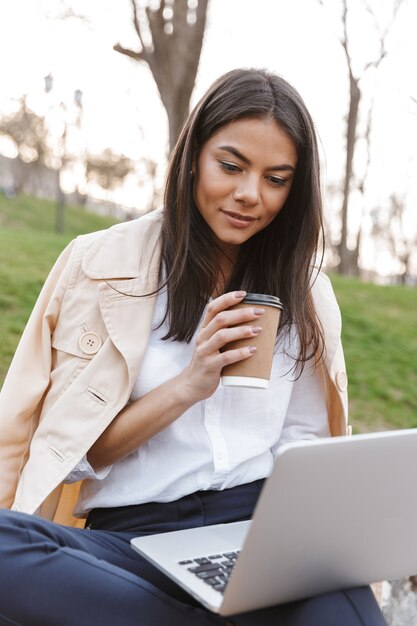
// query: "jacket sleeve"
[[28, 377], [333, 367]]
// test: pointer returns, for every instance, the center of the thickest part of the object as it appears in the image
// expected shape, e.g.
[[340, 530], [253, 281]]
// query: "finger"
[[233, 356], [226, 335], [229, 318], [221, 303]]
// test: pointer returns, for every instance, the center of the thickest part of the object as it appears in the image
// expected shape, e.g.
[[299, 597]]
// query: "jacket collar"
[[124, 250], [126, 259]]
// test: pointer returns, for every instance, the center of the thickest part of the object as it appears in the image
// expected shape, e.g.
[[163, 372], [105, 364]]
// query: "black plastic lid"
[[262, 298]]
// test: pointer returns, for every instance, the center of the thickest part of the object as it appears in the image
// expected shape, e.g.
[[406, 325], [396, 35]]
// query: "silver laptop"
[[335, 513]]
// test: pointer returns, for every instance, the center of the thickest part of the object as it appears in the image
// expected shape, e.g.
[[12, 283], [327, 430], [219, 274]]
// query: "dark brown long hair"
[[277, 260]]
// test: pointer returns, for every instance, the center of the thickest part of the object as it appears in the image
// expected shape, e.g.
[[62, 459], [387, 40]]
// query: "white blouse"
[[227, 440]]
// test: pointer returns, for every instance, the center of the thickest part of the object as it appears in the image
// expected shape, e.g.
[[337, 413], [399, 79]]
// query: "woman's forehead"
[[256, 137]]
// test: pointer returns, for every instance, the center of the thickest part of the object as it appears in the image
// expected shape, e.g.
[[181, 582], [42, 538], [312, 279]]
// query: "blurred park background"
[[94, 93]]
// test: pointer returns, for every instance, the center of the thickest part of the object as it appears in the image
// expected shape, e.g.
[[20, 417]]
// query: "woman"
[[115, 382]]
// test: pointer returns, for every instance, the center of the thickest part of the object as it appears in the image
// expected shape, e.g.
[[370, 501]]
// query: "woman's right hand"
[[144, 418], [219, 327]]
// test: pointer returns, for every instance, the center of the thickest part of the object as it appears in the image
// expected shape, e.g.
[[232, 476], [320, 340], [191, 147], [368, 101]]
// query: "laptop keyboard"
[[214, 570]]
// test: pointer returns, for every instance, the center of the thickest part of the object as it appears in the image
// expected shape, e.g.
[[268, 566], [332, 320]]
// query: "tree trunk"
[[173, 58], [406, 261], [176, 105], [353, 255], [345, 256]]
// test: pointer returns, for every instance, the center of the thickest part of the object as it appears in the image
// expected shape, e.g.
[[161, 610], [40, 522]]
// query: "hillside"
[[28, 249], [380, 343], [379, 323]]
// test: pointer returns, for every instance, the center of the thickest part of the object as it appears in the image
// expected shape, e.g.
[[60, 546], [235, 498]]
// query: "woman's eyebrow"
[[242, 157]]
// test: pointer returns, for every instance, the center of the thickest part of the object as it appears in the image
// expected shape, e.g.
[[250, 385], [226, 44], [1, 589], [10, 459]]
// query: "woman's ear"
[[193, 166]]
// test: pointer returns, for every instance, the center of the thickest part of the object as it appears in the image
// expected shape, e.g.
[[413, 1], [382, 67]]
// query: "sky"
[[297, 39]]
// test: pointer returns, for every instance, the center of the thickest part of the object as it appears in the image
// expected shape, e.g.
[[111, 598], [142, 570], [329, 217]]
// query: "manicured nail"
[[256, 330], [252, 349], [258, 311], [239, 294]]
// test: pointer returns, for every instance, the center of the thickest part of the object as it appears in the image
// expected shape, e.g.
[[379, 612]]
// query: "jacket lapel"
[[328, 313], [125, 261], [127, 313]]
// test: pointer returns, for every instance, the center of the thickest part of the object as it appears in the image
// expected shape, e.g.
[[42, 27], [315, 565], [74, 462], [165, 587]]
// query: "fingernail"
[[258, 311], [256, 330], [252, 349], [240, 294]]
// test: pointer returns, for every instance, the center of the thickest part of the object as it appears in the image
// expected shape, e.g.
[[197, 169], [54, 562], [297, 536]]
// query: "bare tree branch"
[[156, 16], [344, 41], [136, 23], [383, 33], [349, 258], [176, 31], [138, 56], [376, 63]]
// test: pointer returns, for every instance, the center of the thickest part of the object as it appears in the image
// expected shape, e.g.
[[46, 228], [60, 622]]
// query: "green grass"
[[28, 249], [34, 214], [380, 343], [379, 323]]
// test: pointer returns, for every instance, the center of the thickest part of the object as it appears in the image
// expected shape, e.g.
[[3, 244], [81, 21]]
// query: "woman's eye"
[[229, 167], [276, 181]]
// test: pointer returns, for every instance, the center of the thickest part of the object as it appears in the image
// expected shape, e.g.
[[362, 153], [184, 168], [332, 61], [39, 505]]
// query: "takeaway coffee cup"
[[256, 370]]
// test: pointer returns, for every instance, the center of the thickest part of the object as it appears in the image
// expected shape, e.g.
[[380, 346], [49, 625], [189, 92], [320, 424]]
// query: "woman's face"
[[243, 176]]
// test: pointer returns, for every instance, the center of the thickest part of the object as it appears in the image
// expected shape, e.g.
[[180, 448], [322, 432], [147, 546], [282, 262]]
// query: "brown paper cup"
[[256, 370]]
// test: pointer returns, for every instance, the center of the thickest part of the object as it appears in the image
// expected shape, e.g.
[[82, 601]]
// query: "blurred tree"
[[170, 38], [28, 132], [348, 259], [391, 228], [109, 169], [148, 181]]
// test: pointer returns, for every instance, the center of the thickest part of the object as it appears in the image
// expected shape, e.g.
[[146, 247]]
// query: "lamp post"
[[63, 157], [49, 81]]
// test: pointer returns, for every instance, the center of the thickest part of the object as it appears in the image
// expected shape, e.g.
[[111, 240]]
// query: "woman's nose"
[[247, 191]]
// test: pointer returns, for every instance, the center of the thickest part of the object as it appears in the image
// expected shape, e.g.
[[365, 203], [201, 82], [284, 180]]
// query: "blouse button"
[[90, 343], [341, 381]]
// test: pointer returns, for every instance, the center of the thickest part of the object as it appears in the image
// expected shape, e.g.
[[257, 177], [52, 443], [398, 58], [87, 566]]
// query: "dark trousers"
[[52, 575]]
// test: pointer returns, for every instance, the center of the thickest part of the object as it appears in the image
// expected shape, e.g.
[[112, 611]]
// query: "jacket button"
[[90, 343], [341, 381]]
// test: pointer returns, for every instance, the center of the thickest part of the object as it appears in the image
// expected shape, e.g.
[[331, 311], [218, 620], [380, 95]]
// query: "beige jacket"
[[80, 355]]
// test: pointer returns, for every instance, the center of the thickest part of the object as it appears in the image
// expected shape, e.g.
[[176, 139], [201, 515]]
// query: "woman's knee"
[[12, 531], [365, 605], [10, 519], [7, 514], [352, 607]]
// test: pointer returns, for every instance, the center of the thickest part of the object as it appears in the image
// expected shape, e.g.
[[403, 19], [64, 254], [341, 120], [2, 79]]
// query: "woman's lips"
[[237, 220]]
